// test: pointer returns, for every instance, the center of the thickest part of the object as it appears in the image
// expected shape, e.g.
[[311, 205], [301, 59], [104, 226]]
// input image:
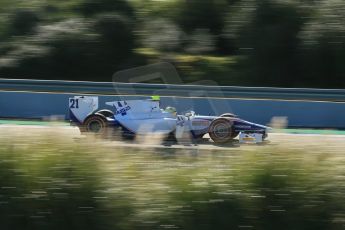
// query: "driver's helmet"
[[171, 110]]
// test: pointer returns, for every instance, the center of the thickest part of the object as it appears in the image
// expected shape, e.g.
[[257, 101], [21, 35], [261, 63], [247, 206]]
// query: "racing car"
[[145, 117]]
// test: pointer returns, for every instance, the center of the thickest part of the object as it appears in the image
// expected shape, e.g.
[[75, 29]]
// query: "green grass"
[[51, 181], [312, 131]]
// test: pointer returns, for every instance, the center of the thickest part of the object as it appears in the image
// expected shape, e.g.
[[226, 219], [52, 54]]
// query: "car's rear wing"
[[82, 106]]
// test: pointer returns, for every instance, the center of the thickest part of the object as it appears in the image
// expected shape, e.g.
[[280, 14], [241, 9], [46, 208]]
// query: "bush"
[[271, 44], [322, 50], [92, 7], [116, 35], [74, 49], [23, 22]]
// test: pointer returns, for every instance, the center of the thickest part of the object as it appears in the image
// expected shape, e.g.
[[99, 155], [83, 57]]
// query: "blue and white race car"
[[145, 117]]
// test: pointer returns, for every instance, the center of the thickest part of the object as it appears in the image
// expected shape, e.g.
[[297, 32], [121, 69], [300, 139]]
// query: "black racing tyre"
[[220, 130], [227, 115], [95, 124]]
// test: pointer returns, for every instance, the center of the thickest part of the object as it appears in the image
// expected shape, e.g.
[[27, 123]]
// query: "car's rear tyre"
[[95, 124], [220, 130]]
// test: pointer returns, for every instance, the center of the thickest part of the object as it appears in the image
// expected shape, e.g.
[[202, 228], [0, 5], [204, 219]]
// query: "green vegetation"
[[287, 43], [50, 181]]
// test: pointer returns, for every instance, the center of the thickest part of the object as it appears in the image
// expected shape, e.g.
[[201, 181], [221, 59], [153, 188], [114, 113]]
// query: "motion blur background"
[[285, 43], [53, 178]]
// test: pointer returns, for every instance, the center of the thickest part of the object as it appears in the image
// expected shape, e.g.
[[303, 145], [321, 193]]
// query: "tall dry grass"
[[49, 179]]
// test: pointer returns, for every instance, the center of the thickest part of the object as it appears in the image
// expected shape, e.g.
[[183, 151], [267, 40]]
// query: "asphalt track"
[[291, 138]]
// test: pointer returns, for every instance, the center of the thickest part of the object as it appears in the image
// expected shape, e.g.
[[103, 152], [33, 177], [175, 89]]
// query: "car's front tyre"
[[220, 130]]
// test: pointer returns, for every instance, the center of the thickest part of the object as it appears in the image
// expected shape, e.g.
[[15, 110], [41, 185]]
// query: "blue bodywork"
[[238, 125]]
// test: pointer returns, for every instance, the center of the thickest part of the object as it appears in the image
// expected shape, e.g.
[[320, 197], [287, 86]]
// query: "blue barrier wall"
[[208, 89], [299, 113]]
